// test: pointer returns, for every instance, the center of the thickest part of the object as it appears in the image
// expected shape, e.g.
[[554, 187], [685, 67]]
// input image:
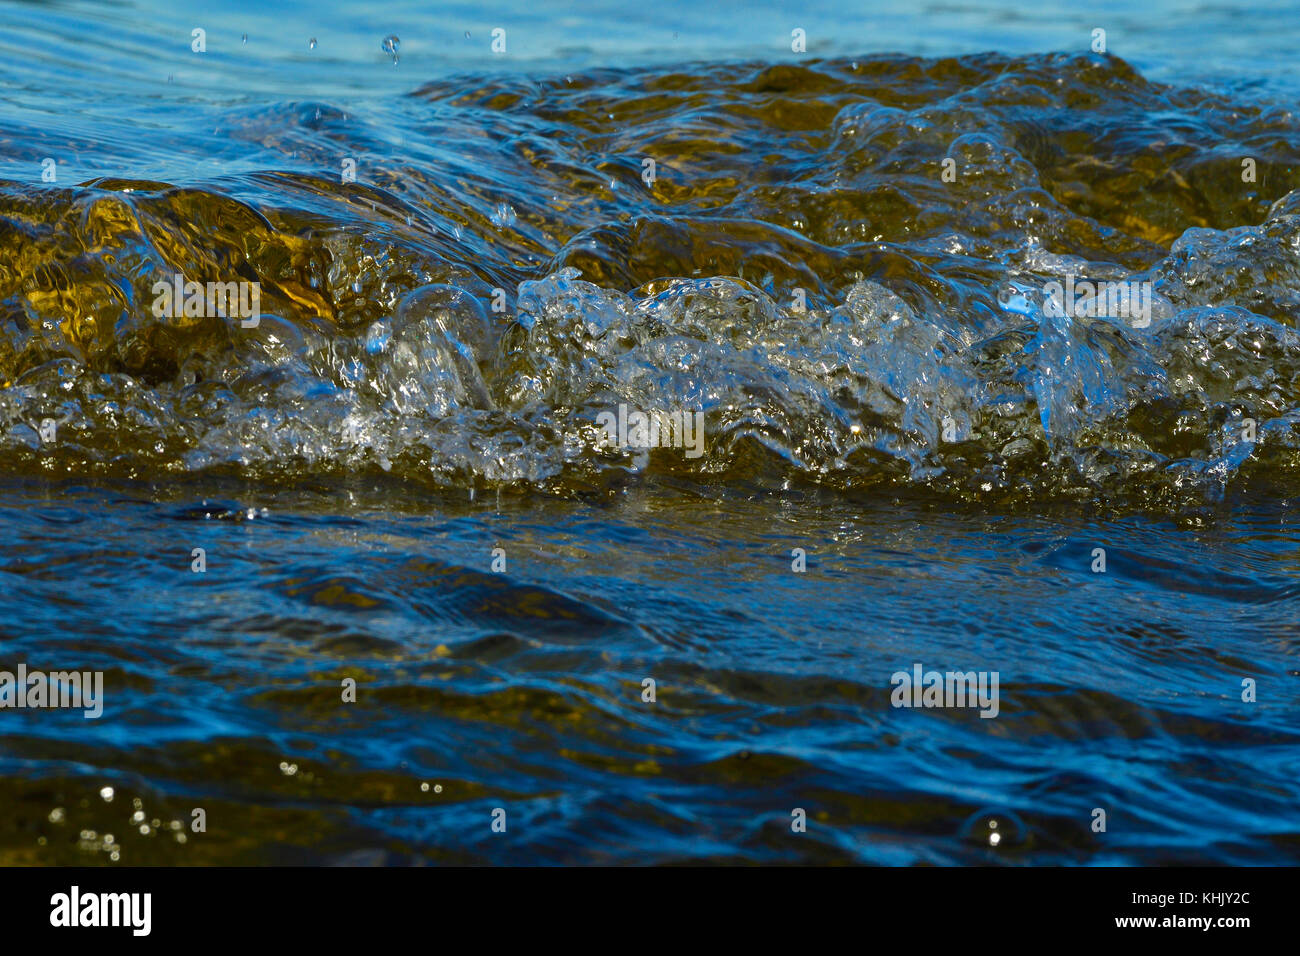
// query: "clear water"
[[881, 381]]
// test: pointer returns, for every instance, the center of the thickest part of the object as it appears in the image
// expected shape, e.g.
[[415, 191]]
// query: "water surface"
[[883, 386]]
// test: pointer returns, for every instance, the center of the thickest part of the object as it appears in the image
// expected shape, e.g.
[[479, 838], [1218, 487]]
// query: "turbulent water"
[[797, 268], [398, 473]]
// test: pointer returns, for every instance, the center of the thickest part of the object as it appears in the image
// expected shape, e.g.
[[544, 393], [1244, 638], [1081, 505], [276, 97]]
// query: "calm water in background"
[[349, 466]]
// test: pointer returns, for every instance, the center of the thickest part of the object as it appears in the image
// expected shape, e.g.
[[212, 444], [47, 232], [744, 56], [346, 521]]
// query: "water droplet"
[[312, 44], [390, 46], [996, 827], [244, 38], [466, 34], [377, 337]]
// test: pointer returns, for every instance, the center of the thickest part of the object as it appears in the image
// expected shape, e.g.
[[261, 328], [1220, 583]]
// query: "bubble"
[[107, 794], [996, 828]]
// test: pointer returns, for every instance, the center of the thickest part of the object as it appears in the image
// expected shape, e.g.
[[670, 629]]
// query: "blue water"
[[396, 484]]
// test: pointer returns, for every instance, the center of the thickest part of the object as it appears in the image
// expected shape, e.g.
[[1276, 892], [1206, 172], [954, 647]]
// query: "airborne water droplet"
[[312, 44], [390, 46]]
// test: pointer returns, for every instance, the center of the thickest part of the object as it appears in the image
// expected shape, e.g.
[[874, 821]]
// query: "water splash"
[[835, 315]]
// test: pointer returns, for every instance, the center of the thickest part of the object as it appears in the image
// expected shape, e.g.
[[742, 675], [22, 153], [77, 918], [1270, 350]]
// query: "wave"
[[851, 269]]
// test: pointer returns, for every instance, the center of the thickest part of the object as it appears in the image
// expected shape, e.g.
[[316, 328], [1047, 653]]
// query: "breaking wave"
[[842, 266]]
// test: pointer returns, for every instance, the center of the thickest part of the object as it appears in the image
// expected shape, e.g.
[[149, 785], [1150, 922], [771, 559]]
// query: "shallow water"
[[881, 380]]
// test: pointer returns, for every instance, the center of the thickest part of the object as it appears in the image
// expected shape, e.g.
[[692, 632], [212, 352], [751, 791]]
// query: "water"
[[398, 473]]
